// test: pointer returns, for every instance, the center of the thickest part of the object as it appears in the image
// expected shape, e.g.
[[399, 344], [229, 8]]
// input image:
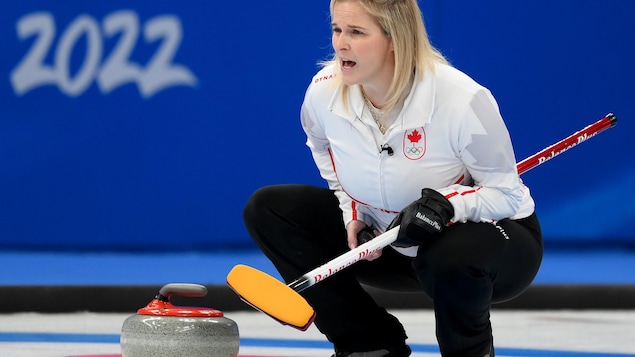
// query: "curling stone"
[[162, 329]]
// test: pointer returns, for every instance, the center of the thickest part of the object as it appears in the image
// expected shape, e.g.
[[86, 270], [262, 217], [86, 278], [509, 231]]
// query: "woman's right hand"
[[352, 229]]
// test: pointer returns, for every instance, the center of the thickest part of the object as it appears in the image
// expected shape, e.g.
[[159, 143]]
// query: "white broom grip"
[[349, 258]]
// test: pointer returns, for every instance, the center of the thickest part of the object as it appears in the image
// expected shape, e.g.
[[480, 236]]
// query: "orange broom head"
[[271, 296]]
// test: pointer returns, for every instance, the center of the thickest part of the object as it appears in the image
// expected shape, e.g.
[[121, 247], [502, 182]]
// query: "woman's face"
[[365, 52]]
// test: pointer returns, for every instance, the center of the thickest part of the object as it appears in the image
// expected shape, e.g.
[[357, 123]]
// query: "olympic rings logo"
[[414, 143]]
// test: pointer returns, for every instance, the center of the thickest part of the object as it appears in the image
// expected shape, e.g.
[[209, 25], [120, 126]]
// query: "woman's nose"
[[340, 42]]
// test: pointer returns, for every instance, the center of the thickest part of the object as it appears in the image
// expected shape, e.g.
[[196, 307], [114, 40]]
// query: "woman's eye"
[[336, 30]]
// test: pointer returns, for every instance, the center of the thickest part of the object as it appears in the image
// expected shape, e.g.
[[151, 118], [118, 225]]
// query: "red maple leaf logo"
[[414, 137]]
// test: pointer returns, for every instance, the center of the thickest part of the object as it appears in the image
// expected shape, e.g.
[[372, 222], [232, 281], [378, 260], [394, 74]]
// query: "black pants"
[[466, 269]]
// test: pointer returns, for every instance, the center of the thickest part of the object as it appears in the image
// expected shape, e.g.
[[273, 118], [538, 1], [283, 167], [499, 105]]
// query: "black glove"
[[422, 220], [365, 235]]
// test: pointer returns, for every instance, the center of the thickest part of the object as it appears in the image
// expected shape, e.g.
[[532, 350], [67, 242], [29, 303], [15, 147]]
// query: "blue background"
[[172, 171]]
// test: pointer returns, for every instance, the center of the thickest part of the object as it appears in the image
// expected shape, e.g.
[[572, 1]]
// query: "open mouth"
[[348, 64]]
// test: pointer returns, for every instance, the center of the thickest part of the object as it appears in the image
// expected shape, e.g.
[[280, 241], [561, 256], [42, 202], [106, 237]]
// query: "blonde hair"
[[402, 22]]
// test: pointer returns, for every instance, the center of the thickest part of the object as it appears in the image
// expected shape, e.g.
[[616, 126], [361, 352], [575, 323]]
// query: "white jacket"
[[449, 136]]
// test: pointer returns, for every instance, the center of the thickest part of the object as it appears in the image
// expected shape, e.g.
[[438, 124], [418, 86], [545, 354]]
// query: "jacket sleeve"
[[485, 148], [319, 145]]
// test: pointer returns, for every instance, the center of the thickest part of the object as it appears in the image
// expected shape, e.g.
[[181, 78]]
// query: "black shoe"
[[401, 351]]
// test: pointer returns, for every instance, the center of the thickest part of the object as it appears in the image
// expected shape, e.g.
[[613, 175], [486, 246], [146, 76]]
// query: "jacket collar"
[[416, 112]]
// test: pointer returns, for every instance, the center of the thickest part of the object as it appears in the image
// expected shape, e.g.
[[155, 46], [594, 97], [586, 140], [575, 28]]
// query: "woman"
[[402, 138]]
